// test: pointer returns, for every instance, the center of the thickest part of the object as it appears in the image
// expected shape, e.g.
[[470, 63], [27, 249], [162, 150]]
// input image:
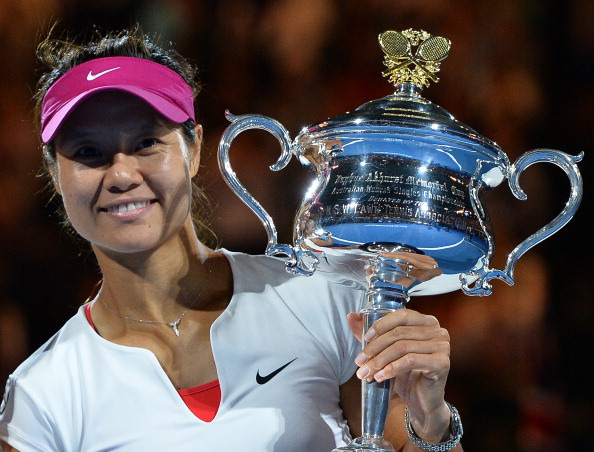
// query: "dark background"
[[520, 72]]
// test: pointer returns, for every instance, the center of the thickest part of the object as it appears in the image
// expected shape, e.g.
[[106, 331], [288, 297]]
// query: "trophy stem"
[[375, 395], [387, 293]]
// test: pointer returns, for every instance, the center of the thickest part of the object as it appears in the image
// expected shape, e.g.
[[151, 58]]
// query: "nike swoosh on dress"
[[266, 378]]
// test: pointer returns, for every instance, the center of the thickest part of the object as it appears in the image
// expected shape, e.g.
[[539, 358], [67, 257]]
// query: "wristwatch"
[[456, 432]]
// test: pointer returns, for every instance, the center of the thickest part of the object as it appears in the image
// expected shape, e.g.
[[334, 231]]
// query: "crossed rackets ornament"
[[419, 67]]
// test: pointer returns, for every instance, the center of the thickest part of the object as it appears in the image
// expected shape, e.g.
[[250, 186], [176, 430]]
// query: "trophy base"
[[366, 444]]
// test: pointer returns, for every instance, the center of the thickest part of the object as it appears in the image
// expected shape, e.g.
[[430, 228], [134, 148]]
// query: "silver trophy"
[[395, 207]]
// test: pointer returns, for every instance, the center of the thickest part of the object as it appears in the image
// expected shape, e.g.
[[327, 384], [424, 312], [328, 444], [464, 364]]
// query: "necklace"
[[175, 324]]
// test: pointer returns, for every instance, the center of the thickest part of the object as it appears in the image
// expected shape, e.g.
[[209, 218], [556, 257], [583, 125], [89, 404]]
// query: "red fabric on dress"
[[203, 400]]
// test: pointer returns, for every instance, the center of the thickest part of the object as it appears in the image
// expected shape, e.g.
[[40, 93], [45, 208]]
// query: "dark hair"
[[59, 55]]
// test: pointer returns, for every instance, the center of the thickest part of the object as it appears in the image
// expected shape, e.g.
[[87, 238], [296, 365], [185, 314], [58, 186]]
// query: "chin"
[[131, 245], [131, 240]]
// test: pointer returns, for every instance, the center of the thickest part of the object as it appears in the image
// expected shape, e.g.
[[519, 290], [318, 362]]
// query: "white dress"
[[282, 349]]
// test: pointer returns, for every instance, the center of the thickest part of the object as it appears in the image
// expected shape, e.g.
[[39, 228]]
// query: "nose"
[[123, 174]]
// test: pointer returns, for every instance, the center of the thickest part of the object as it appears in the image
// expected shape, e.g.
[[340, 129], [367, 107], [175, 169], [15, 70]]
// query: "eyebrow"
[[144, 127]]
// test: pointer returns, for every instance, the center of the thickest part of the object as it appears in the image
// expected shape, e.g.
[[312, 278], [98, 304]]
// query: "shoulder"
[[40, 388], [52, 358], [256, 273], [255, 263]]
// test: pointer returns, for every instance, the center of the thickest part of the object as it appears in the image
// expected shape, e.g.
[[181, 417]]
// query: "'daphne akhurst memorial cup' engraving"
[[398, 182]]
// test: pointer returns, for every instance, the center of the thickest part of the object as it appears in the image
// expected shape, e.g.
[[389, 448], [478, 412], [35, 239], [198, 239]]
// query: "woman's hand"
[[414, 350]]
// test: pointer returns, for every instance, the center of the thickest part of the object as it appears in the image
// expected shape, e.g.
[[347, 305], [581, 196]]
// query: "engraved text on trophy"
[[377, 189]]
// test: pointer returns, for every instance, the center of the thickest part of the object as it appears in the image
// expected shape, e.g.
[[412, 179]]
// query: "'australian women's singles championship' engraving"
[[375, 189]]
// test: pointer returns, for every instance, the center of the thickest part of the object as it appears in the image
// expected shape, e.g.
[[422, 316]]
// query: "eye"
[[147, 143], [87, 152]]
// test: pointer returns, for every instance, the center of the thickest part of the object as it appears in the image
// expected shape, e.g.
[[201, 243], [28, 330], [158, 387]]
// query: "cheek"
[[173, 175], [77, 194]]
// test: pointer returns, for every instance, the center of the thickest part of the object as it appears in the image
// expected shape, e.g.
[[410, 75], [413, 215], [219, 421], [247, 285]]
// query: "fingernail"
[[361, 359], [362, 372], [370, 334], [380, 376]]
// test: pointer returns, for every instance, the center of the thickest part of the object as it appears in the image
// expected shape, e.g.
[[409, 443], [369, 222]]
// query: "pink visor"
[[162, 88]]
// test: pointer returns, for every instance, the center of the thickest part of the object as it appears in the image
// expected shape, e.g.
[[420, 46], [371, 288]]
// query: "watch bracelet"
[[456, 431]]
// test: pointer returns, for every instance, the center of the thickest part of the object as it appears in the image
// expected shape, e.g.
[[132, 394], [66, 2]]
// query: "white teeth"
[[128, 207]]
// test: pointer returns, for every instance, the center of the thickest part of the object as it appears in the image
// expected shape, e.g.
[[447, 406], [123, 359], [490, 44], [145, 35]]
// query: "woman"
[[185, 347]]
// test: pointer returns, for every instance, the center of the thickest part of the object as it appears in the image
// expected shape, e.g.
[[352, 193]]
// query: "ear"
[[195, 150], [52, 167]]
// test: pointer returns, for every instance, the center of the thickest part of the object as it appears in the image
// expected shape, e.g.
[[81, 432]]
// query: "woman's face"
[[124, 173]]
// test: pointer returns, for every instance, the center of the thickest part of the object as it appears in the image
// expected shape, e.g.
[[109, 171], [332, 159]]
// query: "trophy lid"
[[406, 110]]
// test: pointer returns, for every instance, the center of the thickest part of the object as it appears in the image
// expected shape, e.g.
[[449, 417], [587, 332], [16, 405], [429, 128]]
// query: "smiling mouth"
[[127, 207]]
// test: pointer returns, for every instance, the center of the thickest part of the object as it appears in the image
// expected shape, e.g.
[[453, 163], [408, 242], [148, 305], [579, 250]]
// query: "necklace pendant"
[[175, 325]]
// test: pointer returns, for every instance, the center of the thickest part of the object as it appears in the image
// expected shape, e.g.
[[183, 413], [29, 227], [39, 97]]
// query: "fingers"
[[430, 357], [402, 342], [408, 339], [389, 322], [401, 317], [433, 366]]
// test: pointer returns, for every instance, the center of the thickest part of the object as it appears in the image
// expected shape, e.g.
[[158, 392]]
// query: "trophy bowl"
[[395, 206]]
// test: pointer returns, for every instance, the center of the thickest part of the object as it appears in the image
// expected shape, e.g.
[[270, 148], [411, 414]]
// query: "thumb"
[[355, 321]]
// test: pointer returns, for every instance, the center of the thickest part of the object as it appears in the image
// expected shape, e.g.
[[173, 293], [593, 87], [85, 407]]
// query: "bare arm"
[[6, 448]]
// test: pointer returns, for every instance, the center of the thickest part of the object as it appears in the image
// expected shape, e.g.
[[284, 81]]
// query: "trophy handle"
[[301, 261], [568, 163]]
